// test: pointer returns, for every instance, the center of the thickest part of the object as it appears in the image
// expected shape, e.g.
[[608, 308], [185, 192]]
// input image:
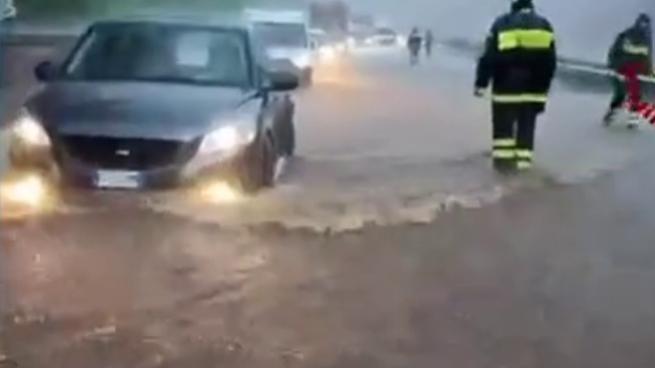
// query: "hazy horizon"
[[585, 28]]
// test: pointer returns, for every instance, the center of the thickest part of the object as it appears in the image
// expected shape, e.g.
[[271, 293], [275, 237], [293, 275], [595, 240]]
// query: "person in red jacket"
[[630, 56]]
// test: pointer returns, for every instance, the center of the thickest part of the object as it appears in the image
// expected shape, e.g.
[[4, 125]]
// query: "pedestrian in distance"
[[519, 62], [414, 42], [630, 56], [429, 41]]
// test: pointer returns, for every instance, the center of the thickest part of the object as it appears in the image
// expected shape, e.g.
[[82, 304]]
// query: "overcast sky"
[[584, 27]]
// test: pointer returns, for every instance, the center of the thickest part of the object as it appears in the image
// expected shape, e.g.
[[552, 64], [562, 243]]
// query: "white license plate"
[[118, 179]]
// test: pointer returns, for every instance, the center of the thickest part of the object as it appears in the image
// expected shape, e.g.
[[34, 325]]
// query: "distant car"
[[284, 34], [8, 9], [327, 47], [357, 39], [144, 104], [383, 37]]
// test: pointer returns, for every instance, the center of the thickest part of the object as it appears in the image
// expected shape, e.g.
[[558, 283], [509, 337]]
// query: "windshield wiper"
[[187, 80], [158, 79]]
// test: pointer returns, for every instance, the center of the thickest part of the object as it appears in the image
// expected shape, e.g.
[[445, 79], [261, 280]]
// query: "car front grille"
[[128, 154]]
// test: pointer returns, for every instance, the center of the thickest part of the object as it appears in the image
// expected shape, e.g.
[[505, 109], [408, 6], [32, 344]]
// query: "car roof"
[[254, 15], [218, 23]]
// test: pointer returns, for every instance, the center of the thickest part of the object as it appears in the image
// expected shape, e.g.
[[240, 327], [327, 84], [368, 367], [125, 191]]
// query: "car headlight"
[[29, 131], [328, 53], [226, 139], [302, 61]]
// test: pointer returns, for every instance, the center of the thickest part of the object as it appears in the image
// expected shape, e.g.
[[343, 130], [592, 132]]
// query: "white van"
[[7, 9], [284, 34]]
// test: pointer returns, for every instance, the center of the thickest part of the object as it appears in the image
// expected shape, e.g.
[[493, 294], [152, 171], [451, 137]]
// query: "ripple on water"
[[332, 195]]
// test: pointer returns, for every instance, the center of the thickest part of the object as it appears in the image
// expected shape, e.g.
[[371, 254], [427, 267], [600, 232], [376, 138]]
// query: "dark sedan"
[[148, 104]]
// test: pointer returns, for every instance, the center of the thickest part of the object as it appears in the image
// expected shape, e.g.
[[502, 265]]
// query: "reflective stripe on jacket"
[[519, 59], [631, 46]]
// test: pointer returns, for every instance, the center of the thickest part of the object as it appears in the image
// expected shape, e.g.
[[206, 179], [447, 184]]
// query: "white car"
[[383, 37], [7, 9], [284, 34]]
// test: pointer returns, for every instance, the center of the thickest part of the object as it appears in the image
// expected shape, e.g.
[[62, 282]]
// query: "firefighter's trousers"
[[514, 127]]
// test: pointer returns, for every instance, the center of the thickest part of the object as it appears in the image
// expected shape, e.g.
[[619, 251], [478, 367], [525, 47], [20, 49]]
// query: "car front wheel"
[[256, 169], [288, 131], [307, 77]]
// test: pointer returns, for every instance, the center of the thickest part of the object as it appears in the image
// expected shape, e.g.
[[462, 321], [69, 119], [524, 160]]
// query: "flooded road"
[[382, 143], [388, 243]]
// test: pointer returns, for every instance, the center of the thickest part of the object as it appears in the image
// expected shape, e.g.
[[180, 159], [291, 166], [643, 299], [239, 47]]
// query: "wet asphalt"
[[554, 274]]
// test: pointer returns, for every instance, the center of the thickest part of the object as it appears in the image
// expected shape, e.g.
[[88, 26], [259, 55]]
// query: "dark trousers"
[[428, 49], [514, 127], [414, 52], [619, 94]]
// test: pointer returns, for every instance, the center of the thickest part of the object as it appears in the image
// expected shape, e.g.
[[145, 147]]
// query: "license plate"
[[118, 179]]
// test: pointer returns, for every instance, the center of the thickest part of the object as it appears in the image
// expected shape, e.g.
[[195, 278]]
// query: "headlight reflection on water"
[[27, 191], [328, 53], [220, 192]]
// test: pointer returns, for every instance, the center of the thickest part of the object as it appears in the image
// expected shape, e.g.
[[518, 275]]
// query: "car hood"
[[287, 52], [134, 110]]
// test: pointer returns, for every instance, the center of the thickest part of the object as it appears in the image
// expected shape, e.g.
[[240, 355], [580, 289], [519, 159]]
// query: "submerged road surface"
[[388, 243]]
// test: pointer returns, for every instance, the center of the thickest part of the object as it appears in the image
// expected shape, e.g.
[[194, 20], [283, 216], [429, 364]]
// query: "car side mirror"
[[45, 71], [282, 81]]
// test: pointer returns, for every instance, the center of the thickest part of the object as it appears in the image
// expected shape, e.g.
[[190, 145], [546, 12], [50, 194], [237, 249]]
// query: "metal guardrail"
[[23, 32], [34, 40], [574, 65], [600, 71]]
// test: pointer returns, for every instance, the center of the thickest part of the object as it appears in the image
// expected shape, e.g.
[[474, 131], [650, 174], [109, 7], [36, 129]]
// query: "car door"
[[275, 106]]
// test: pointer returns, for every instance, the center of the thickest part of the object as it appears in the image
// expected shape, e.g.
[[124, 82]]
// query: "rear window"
[[280, 34]]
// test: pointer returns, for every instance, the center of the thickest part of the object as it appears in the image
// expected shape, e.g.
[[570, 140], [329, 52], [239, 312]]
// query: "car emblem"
[[123, 152]]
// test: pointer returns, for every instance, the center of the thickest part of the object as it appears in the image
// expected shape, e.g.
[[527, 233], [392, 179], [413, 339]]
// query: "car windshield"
[[281, 34], [160, 53]]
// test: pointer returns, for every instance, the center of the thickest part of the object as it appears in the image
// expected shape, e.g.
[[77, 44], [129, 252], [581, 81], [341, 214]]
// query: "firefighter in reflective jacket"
[[519, 61], [631, 55]]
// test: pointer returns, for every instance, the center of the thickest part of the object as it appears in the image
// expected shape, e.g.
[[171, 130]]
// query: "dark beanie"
[[518, 5], [643, 18]]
